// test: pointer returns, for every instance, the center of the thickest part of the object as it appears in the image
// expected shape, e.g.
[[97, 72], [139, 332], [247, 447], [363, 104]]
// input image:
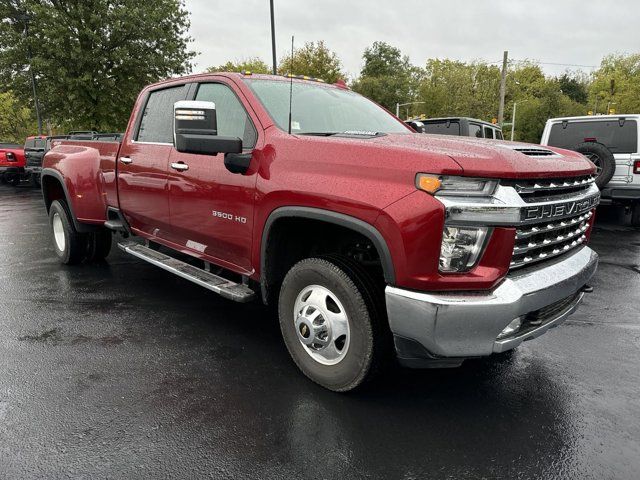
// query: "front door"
[[143, 164], [212, 208]]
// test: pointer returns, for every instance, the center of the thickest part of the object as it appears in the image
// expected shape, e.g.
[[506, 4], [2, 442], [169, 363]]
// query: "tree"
[[91, 58], [314, 59], [575, 87], [252, 64], [387, 77], [16, 121], [454, 88], [617, 81]]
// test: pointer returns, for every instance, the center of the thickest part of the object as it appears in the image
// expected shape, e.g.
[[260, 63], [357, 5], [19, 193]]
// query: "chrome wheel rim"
[[58, 232], [322, 325]]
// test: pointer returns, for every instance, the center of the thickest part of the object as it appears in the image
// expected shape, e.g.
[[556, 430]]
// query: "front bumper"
[[442, 329]]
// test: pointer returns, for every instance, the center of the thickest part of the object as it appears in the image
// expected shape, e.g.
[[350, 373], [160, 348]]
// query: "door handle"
[[126, 160], [181, 167]]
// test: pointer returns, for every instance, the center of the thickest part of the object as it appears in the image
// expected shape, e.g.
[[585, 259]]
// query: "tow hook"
[[587, 289]]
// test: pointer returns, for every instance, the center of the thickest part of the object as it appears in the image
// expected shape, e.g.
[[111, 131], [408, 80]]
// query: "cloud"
[[560, 31]]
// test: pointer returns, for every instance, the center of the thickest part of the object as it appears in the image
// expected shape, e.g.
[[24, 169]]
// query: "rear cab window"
[[618, 135], [156, 124], [442, 128]]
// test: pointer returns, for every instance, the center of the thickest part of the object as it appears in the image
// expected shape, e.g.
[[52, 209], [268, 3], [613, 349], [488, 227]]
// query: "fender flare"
[[335, 218], [50, 172]]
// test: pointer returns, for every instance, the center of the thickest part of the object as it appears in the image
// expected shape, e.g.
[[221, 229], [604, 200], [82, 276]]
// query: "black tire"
[[98, 245], [35, 181], [355, 291], [603, 159], [635, 215], [74, 247]]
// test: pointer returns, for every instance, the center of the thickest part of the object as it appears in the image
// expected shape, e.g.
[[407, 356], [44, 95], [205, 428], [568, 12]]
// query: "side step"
[[222, 286]]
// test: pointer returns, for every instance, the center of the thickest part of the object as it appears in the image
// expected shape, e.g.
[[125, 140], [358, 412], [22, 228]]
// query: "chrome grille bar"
[[546, 254], [550, 227], [548, 241]]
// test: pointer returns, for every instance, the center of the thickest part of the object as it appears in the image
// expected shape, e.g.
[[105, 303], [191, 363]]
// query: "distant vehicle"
[[35, 148], [611, 143], [12, 162], [458, 126]]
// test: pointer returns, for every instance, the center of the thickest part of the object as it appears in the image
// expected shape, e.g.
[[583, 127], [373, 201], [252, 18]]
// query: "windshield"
[[321, 109]]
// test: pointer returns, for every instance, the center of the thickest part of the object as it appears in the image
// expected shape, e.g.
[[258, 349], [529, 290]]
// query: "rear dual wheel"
[[71, 246]]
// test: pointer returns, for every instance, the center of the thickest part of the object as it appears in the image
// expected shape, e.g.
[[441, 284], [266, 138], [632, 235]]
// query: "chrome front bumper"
[[444, 328]]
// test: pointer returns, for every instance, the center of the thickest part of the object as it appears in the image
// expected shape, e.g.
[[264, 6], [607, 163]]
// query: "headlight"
[[461, 247], [459, 186]]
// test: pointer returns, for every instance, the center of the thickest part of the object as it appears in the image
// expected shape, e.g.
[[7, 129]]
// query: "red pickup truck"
[[370, 239], [12, 162]]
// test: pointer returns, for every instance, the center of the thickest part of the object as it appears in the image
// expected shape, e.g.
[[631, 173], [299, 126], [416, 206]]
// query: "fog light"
[[513, 327]]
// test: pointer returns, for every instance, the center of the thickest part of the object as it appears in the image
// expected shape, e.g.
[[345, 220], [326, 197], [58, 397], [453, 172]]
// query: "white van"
[[611, 142]]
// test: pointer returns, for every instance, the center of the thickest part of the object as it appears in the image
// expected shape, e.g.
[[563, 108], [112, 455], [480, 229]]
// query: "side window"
[[488, 132], [498, 134], [233, 120], [157, 119], [475, 130]]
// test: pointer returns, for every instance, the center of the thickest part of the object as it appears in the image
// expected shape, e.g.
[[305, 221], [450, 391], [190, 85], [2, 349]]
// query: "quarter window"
[[488, 132], [157, 120], [475, 130], [232, 118]]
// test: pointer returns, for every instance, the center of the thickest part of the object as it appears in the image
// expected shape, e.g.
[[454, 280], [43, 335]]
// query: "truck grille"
[[539, 189], [543, 241]]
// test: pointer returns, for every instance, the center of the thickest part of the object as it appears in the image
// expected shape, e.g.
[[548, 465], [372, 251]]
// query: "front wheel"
[[332, 322]]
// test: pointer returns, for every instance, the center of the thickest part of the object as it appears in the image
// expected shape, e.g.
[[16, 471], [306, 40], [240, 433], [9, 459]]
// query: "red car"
[[370, 239], [12, 163]]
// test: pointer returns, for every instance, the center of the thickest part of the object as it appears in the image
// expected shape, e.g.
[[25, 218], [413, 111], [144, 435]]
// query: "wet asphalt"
[[120, 370]]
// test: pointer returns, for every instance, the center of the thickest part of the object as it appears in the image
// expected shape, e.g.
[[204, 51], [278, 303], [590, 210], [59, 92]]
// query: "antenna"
[[290, 84]]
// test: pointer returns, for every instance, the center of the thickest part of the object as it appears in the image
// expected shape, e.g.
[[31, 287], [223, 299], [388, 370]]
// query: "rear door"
[[143, 163], [212, 208]]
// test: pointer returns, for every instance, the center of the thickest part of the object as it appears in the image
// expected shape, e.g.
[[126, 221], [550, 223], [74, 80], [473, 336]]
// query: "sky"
[[568, 32]]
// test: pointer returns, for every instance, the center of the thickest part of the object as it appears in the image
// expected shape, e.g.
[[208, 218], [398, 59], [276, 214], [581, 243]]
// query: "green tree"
[[575, 87], [92, 57], [387, 76], [16, 121], [314, 59], [617, 81], [252, 64], [453, 88]]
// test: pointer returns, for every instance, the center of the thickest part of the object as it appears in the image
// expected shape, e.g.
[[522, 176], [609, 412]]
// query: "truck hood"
[[492, 158]]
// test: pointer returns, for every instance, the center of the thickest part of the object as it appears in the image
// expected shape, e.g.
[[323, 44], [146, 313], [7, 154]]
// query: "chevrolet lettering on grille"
[[557, 210]]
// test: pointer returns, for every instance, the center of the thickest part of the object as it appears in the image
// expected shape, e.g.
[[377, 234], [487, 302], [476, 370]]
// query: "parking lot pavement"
[[122, 370]]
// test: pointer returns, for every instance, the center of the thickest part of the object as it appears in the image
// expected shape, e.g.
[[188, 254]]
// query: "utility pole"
[[513, 120], [273, 40], [503, 87], [25, 18]]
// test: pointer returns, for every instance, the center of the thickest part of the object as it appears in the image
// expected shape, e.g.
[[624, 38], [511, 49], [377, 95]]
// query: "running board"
[[225, 288]]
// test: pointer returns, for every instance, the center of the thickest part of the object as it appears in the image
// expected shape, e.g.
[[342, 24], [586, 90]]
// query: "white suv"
[[611, 142]]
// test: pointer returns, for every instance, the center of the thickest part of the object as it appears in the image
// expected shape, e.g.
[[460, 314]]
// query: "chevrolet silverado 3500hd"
[[367, 237]]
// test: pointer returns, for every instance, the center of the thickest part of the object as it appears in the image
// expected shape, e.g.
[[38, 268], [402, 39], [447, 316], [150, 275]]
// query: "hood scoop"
[[531, 151]]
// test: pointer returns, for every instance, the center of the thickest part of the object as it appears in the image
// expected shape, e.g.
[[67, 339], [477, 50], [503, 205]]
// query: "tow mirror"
[[195, 130]]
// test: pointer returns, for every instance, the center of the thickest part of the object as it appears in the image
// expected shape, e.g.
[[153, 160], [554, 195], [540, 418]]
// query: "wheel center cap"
[[304, 330]]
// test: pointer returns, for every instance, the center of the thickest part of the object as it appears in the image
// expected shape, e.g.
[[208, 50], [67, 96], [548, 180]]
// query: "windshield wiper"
[[357, 133], [320, 134]]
